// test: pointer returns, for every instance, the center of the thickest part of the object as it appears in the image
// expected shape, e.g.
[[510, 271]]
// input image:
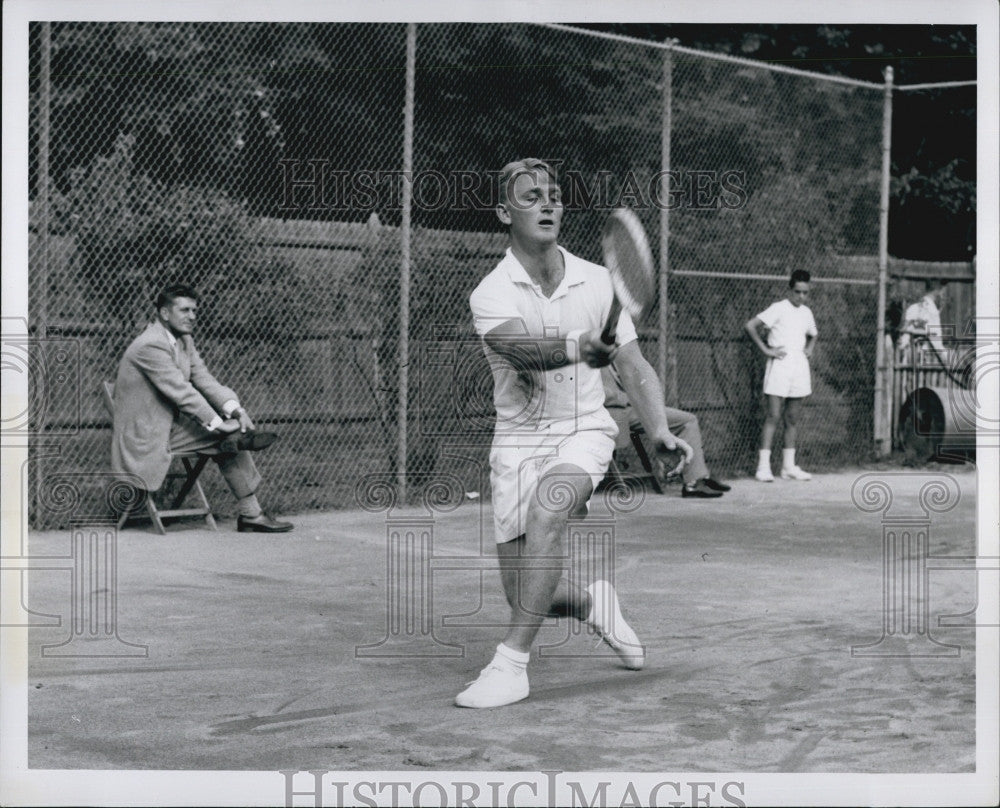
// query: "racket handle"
[[611, 326]]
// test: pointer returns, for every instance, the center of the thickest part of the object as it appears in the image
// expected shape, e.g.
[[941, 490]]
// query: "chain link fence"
[[808, 152], [264, 164]]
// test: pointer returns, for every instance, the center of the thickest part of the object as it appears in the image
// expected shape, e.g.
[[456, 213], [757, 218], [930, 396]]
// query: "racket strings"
[[629, 260]]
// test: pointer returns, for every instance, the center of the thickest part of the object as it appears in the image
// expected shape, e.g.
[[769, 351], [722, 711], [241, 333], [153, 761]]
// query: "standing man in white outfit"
[[923, 319], [540, 313], [791, 337]]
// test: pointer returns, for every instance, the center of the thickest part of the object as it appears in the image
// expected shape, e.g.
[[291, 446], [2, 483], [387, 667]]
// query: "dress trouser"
[[237, 468], [685, 426]]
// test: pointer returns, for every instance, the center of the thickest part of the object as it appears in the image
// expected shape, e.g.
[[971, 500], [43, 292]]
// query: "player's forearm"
[[533, 354], [549, 353], [646, 395]]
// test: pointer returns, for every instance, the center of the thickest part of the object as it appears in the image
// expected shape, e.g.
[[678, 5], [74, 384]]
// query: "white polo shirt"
[[566, 399], [788, 325]]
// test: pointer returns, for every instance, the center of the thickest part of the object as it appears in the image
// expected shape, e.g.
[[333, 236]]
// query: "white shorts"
[[788, 377], [517, 466]]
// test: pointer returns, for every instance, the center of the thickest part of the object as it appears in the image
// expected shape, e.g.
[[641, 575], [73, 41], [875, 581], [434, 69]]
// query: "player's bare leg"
[[792, 421], [789, 468], [531, 569], [597, 605], [774, 406], [567, 601], [561, 492]]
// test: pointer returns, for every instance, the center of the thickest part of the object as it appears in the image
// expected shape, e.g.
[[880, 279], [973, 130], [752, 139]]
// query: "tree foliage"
[[932, 213], [217, 105], [135, 234]]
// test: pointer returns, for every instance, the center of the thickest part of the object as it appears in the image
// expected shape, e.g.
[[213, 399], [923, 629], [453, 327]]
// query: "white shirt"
[[562, 400], [923, 317], [788, 325]]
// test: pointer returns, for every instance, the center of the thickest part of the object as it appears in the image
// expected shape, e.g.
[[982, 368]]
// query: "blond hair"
[[523, 166]]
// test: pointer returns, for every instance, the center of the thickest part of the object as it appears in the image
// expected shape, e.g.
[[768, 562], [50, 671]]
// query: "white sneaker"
[[795, 473], [609, 623], [496, 686], [764, 475]]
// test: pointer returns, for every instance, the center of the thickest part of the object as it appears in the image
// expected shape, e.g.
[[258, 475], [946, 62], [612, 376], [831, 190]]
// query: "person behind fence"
[[791, 337], [540, 313], [166, 401], [922, 320], [698, 482]]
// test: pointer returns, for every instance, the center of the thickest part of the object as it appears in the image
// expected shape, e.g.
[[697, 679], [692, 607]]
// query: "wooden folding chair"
[[193, 464], [627, 435]]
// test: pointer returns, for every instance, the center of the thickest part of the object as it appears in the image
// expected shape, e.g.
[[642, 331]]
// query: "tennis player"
[[540, 313]]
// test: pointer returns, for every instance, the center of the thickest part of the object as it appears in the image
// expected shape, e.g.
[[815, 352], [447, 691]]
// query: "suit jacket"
[[154, 385]]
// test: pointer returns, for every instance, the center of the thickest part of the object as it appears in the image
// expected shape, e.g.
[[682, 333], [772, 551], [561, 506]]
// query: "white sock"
[[765, 459], [509, 658], [788, 458]]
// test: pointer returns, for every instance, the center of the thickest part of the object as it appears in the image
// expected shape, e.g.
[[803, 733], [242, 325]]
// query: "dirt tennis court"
[[263, 651]]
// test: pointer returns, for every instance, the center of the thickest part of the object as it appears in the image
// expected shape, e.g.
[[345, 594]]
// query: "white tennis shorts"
[[517, 466], [788, 377]]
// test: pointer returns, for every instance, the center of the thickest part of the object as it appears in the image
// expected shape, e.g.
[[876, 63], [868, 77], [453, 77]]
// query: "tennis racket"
[[630, 261]]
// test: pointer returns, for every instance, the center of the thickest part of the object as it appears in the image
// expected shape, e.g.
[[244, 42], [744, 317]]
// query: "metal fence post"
[[666, 335], [39, 323], [882, 445], [42, 189], [404, 275]]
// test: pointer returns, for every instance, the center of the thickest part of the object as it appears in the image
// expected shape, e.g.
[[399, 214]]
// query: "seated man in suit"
[[167, 401], [698, 482]]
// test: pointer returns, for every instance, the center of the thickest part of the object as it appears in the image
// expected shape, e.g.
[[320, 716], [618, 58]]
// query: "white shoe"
[[795, 473], [764, 475], [496, 686], [609, 623]]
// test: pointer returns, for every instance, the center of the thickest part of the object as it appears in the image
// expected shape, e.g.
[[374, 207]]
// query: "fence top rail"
[[629, 40], [672, 45], [940, 85]]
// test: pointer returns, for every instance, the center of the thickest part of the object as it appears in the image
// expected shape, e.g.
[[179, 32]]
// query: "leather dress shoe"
[[261, 524], [247, 442], [700, 490], [715, 485]]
